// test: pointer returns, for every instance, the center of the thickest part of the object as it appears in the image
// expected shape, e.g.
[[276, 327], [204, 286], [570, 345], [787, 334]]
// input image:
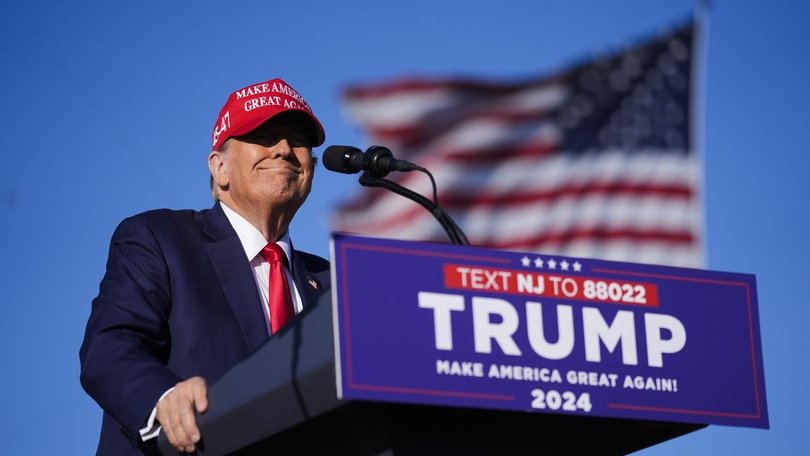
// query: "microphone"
[[376, 160]]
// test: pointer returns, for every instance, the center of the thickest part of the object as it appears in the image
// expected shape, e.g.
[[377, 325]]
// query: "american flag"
[[597, 161]]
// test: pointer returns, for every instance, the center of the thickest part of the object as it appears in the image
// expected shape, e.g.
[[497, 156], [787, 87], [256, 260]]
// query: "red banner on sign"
[[513, 281]]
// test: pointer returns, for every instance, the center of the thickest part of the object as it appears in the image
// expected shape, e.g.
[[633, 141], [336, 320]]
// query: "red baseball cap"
[[251, 106]]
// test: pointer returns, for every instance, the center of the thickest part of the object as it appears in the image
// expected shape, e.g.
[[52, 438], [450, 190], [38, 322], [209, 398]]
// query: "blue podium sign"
[[472, 327]]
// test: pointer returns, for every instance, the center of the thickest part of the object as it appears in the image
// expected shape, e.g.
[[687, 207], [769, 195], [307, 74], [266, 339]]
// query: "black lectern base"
[[283, 401], [370, 429]]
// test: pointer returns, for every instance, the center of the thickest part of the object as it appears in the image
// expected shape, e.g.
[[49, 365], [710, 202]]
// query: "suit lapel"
[[308, 286], [235, 276]]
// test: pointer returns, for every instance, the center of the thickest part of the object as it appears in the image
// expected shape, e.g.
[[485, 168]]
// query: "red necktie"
[[280, 300]]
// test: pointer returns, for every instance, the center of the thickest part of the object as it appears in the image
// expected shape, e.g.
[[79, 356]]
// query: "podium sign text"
[[464, 326]]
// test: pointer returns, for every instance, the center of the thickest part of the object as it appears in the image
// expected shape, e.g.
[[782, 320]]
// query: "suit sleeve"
[[127, 341]]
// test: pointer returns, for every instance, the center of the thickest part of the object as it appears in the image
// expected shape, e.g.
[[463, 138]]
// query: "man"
[[187, 294]]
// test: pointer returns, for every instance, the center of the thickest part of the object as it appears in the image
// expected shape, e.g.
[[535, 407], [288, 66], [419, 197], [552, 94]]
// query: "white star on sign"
[[552, 264], [525, 261], [577, 266], [538, 262], [564, 265]]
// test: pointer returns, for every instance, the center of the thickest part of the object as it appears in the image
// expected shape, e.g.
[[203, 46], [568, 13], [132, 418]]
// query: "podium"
[[372, 375], [283, 400]]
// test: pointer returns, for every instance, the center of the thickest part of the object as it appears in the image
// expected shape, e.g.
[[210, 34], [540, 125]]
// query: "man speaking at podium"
[[187, 294]]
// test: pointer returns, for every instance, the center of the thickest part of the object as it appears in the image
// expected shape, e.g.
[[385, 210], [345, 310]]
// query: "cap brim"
[[315, 132]]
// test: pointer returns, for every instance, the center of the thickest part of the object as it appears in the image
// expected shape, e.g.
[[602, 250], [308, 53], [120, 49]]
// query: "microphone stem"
[[453, 231]]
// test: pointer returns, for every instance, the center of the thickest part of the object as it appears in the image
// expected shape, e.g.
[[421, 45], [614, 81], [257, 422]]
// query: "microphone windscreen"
[[337, 158]]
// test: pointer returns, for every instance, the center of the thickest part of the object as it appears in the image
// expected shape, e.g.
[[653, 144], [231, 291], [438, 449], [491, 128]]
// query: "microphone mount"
[[450, 227]]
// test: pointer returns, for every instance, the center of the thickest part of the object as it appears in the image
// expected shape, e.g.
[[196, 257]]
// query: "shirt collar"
[[252, 239]]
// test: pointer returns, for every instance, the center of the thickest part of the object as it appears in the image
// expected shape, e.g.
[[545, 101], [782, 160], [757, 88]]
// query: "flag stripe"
[[523, 221], [528, 175]]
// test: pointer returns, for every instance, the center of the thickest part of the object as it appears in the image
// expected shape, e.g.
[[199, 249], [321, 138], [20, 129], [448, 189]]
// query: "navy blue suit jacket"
[[178, 299]]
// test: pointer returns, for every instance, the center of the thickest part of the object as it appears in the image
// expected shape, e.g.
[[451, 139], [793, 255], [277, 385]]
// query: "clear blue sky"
[[107, 110]]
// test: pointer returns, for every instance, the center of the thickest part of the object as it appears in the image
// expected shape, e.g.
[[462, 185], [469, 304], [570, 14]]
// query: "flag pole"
[[698, 127]]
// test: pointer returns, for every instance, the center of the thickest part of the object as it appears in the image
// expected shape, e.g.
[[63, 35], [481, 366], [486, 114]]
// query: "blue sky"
[[108, 108]]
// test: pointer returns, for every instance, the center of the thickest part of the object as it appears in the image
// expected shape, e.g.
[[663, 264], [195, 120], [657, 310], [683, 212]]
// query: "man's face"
[[271, 166]]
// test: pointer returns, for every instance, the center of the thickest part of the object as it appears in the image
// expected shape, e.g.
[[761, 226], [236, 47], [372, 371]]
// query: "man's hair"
[[224, 148]]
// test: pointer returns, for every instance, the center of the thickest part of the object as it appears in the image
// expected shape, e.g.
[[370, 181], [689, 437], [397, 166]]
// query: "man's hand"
[[176, 413]]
